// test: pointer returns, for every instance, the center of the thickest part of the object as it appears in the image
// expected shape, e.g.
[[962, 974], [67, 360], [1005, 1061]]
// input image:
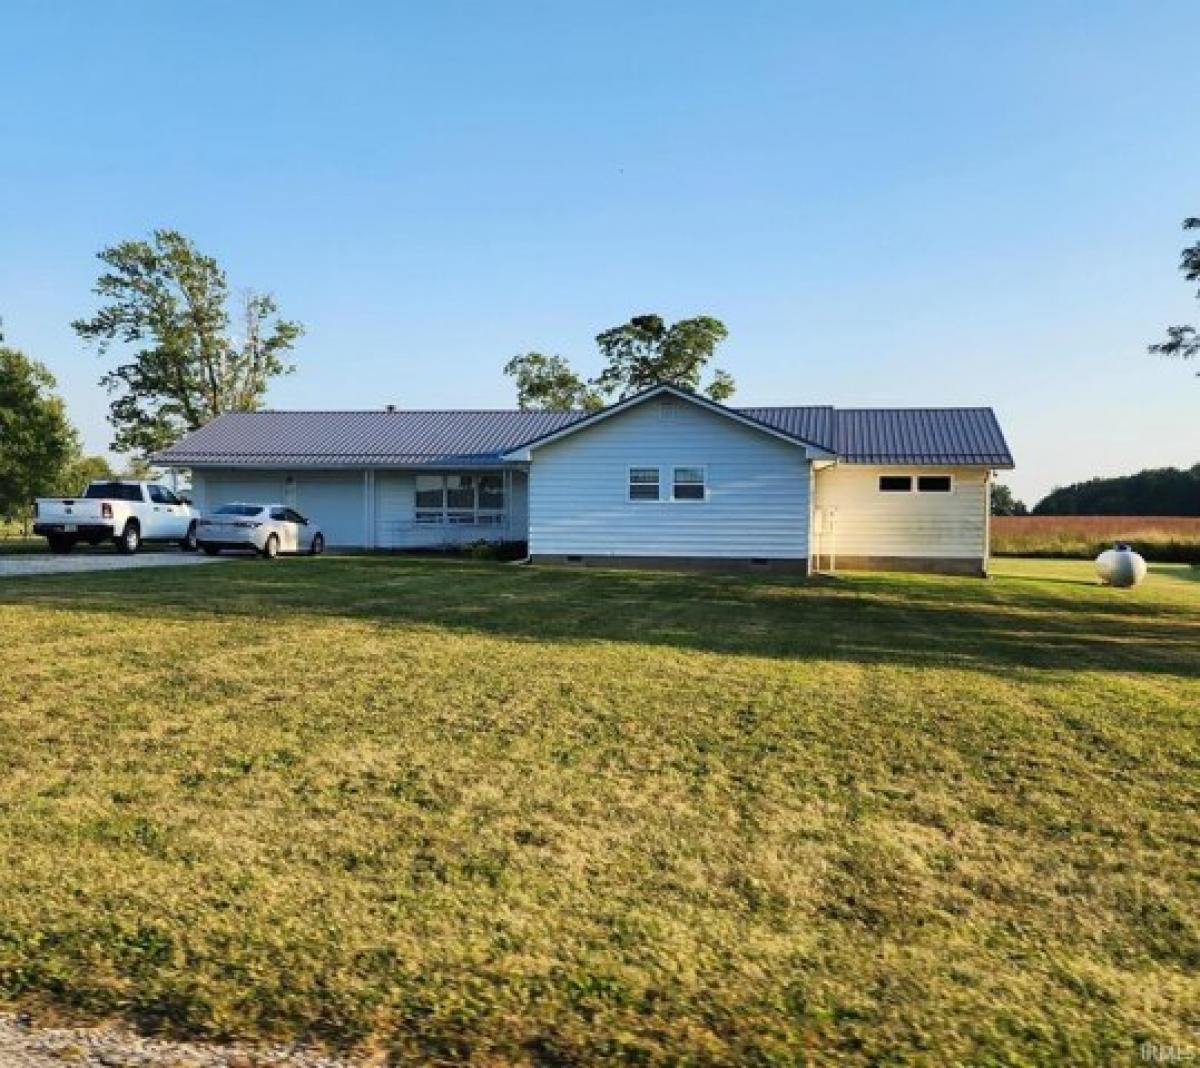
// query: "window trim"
[[914, 482], [666, 490], [629, 484], [938, 474], [703, 483]]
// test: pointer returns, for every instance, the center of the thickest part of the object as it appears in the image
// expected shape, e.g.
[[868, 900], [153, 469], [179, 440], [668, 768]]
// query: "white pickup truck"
[[127, 513]]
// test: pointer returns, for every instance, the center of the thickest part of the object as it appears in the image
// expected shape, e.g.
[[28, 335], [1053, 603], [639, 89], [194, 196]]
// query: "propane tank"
[[1120, 566]]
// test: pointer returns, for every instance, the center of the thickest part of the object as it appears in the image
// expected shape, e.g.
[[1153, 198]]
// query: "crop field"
[[465, 812], [1164, 538]]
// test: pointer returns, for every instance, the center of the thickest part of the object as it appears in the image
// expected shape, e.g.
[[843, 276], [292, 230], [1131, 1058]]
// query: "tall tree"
[[645, 351], [1183, 342], [79, 472], [171, 302], [1004, 503], [37, 442], [637, 354], [548, 382]]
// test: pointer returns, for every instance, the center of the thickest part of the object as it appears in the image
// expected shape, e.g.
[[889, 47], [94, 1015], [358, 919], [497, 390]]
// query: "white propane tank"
[[1120, 566]]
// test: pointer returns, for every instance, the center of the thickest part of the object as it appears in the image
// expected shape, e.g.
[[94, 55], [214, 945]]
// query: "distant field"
[[459, 812], [1161, 538]]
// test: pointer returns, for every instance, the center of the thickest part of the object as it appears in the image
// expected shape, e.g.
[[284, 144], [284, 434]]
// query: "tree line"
[[1157, 491], [187, 351]]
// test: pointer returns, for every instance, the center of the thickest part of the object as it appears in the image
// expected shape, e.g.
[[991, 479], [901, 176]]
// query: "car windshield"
[[238, 509], [113, 491]]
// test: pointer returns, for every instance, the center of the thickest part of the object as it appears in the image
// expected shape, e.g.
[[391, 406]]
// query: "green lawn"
[[477, 812]]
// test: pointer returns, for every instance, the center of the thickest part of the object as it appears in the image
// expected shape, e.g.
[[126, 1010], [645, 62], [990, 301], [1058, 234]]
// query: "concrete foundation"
[[679, 563]]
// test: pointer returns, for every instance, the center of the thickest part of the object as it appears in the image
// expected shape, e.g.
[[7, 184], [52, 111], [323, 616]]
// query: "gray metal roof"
[[912, 436], [360, 438], [920, 436]]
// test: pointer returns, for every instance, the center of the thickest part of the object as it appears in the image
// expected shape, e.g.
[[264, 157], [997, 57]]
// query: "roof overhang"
[[525, 452], [307, 463]]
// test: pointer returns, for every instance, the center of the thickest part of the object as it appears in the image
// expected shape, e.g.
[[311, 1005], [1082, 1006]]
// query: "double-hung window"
[[643, 484], [687, 484]]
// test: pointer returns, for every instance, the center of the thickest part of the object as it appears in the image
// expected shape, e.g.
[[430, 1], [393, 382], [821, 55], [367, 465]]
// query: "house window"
[[643, 483], [895, 483], [460, 500], [934, 484], [687, 484]]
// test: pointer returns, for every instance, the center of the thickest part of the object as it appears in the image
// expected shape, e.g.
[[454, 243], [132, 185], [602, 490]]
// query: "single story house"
[[665, 476]]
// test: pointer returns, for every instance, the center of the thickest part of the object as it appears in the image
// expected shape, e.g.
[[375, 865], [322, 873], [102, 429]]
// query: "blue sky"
[[888, 204]]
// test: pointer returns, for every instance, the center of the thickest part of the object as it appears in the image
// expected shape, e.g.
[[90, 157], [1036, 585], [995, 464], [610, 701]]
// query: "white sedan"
[[269, 529]]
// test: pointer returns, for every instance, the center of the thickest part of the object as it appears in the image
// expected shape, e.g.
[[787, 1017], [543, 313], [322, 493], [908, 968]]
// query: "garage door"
[[335, 503], [221, 489]]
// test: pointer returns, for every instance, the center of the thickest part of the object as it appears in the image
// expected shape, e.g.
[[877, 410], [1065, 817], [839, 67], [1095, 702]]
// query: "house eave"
[[525, 452]]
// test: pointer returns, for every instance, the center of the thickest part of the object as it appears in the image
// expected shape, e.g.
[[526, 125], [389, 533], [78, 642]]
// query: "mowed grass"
[[470, 812]]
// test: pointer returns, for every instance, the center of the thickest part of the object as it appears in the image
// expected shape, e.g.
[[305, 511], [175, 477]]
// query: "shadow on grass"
[[894, 619]]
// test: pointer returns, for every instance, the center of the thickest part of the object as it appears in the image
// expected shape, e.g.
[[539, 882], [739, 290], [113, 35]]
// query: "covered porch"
[[446, 508]]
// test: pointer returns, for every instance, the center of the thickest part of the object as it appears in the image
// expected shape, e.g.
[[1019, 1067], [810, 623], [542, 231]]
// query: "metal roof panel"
[[968, 436]]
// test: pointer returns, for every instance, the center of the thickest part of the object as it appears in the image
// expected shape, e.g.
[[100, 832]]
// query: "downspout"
[[987, 522]]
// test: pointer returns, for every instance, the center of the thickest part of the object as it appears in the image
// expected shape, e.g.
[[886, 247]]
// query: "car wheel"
[[131, 538], [60, 544], [211, 550], [189, 543], [271, 548], [318, 545]]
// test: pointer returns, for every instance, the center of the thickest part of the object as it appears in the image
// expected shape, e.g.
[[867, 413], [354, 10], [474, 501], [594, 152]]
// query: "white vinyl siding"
[[866, 521], [756, 489]]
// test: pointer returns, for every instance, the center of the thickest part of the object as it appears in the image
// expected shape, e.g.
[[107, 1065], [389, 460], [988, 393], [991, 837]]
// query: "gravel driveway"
[[49, 564], [113, 1046]]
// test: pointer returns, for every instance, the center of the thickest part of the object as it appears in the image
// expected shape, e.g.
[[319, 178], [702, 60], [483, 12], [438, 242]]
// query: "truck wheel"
[[60, 544], [318, 545], [271, 548], [131, 538], [211, 550], [189, 544]]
